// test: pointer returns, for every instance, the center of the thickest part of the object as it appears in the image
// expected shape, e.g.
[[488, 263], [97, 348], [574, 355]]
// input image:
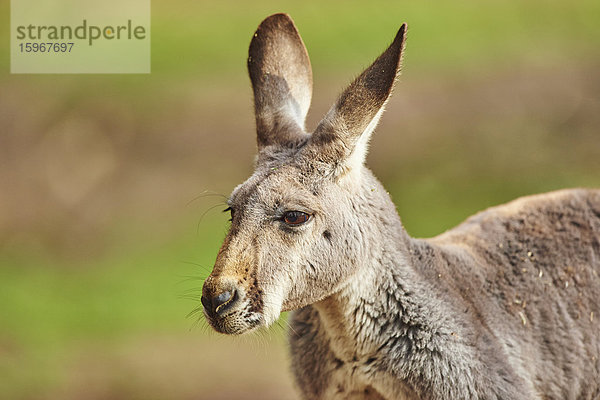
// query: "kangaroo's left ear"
[[342, 137]]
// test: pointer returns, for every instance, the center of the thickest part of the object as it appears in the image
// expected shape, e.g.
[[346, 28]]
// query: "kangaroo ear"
[[281, 77], [342, 137]]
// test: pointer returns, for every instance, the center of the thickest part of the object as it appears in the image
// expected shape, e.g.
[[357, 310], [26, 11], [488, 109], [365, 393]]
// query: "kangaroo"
[[504, 306]]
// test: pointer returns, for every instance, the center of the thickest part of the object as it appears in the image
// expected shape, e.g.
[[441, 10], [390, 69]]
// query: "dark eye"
[[295, 217]]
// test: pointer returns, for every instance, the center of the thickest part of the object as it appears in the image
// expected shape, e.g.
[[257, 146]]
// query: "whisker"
[[196, 264], [194, 298], [204, 213], [206, 194], [189, 278], [195, 311], [192, 290]]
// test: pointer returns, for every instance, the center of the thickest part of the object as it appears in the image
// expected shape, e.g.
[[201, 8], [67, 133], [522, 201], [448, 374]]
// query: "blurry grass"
[[213, 36], [46, 302], [209, 40], [49, 307]]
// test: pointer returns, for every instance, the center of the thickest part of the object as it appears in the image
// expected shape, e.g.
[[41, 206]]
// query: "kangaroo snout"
[[230, 306]]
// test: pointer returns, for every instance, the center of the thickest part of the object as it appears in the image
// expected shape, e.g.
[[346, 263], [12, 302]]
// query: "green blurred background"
[[111, 186]]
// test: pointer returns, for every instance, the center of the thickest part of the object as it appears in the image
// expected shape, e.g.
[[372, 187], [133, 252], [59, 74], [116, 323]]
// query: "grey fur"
[[504, 306]]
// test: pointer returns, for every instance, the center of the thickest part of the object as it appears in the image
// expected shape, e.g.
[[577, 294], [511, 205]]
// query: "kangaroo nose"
[[219, 304]]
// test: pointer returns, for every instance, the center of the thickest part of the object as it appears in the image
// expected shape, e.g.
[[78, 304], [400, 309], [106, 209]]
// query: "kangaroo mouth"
[[235, 322], [233, 308]]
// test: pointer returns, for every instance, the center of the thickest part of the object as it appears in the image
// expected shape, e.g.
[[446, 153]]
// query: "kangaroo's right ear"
[[281, 77], [341, 138]]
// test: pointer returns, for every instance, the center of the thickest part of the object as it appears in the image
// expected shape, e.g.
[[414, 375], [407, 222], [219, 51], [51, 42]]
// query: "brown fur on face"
[[279, 267]]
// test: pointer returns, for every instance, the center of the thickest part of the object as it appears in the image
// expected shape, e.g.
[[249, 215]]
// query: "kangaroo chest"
[[354, 380], [355, 371]]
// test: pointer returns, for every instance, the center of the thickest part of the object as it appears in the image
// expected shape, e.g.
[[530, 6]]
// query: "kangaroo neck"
[[382, 292]]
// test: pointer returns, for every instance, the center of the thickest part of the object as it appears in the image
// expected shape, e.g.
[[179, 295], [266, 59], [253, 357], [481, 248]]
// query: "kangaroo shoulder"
[[563, 213]]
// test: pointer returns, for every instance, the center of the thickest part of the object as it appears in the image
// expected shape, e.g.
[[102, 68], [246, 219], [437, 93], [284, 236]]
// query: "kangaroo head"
[[298, 224]]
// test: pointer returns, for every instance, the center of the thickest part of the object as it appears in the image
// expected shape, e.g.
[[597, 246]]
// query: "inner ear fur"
[[345, 130], [281, 77]]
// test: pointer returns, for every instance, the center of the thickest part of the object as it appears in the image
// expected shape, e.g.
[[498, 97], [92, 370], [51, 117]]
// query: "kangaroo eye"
[[295, 217]]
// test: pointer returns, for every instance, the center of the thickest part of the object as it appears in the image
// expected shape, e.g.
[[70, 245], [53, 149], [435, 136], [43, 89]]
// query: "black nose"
[[219, 304]]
